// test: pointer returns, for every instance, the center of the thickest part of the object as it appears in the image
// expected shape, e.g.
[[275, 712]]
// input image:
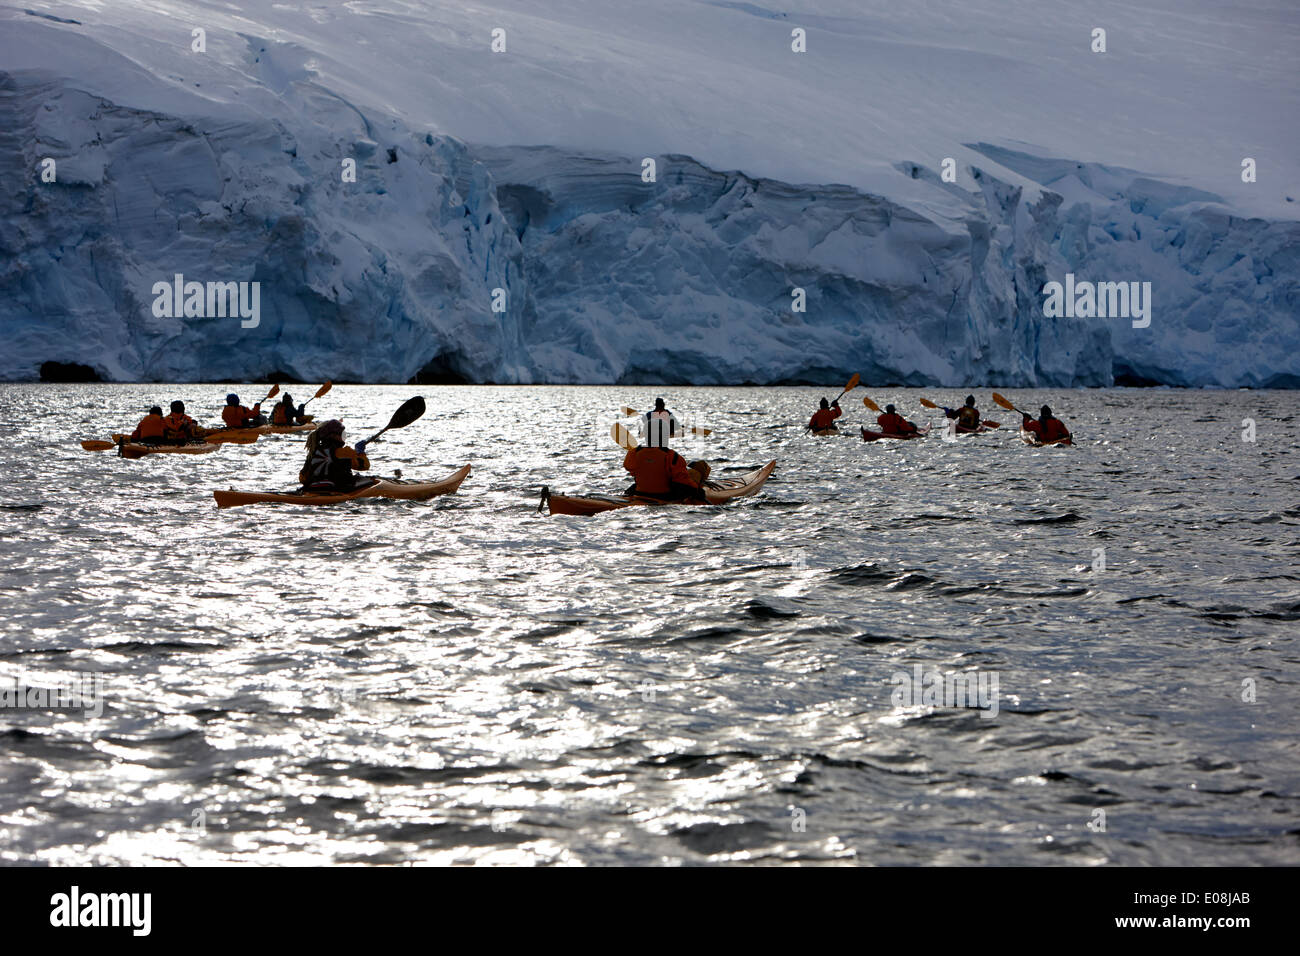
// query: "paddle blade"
[[411, 409], [629, 411], [853, 383], [703, 432], [92, 444], [989, 424], [929, 404], [870, 404], [323, 389], [275, 390], [622, 437], [1003, 402]]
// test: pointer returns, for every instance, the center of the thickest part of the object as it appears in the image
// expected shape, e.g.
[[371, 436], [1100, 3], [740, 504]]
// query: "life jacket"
[[151, 428], [178, 425], [968, 417], [824, 418], [894, 424], [657, 469], [1052, 430], [333, 462], [236, 415], [283, 414], [654, 426]]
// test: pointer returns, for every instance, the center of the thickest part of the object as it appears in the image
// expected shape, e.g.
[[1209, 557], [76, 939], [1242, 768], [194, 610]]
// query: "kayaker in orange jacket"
[[237, 416], [891, 423], [330, 462], [151, 428], [1046, 428], [825, 416], [179, 428], [659, 472]]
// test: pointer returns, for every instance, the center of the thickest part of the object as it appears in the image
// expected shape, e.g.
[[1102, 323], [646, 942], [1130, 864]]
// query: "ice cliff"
[[229, 166]]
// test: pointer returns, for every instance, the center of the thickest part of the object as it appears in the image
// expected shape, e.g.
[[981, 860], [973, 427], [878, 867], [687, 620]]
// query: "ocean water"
[[465, 680]]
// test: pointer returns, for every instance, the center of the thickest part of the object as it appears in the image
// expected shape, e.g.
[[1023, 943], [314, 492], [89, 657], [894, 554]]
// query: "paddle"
[[622, 437], [692, 429], [853, 383], [92, 444], [870, 404], [319, 392], [986, 423], [1000, 400], [411, 409]]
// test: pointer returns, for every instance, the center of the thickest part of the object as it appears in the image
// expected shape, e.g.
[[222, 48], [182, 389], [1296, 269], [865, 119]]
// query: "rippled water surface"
[[466, 680]]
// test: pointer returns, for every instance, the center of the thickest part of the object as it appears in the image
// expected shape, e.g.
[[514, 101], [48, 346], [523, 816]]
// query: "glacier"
[[500, 230]]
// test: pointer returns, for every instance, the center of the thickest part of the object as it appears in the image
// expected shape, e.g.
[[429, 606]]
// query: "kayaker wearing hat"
[[968, 416], [1046, 428], [660, 413], [179, 428], [286, 413], [824, 417], [236, 415], [330, 462], [660, 472], [151, 427], [891, 423]]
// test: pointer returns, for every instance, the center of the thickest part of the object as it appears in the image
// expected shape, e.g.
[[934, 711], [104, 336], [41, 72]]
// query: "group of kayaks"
[[907, 431], [712, 492]]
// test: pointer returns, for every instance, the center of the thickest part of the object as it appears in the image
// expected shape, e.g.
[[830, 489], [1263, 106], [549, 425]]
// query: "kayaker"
[[892, 423], [151, 428], [236, 415], [286, 413], [179, 428], [968, 416], [1046, 428], [330, 462], [660, 472], [661, 414], [825, 416]]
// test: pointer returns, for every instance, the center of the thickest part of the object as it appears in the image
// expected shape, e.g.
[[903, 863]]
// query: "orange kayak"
[[717, 492], [379, 488]]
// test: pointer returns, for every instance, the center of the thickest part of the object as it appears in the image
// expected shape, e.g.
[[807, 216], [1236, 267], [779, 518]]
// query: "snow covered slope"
[[776, 170]]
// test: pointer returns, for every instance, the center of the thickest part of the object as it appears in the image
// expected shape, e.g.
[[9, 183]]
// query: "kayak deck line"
[[392, 488], [717, 492]]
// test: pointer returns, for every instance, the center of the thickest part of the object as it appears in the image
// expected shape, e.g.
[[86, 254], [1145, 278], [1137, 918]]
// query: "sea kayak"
[[135, 450], [717, 492], [240, 435], [379, 488], [292, 429], [1029, 438], [868, 435]]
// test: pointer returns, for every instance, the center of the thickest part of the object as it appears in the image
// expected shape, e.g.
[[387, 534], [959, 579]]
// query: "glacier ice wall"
[[376, 280], [689, 278], [605, 278]]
